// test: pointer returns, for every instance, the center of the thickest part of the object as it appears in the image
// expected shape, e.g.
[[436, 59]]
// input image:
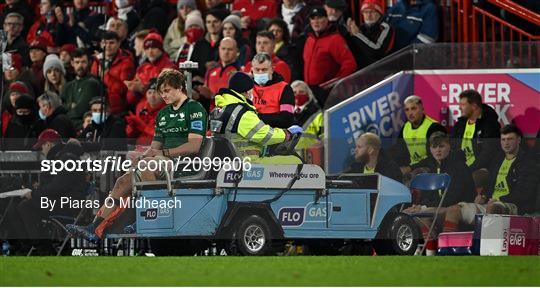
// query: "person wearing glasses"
[[13, 26]]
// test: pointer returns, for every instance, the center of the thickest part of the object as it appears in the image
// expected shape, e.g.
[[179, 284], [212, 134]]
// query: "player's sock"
[[450, 226], [431, 247]]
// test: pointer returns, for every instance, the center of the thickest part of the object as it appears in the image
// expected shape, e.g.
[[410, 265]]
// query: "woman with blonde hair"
[[54, 73]]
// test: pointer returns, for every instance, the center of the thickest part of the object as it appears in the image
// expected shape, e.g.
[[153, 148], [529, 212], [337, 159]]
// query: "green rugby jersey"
[[174, 126]]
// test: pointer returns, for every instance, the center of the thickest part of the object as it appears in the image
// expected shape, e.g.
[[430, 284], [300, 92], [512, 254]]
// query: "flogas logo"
[[291, 216], [256, 173]]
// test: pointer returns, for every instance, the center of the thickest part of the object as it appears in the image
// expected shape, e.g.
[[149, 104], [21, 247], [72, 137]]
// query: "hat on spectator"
[[336, 4], [234, 20], [189, 3], [52, 61], [194, 18], [152, 84], [241, 82], [69, 48], [153, 40], [40, 43], [48, 135], [317, 11], [25, 102], [16, 62], [372, 4], [18, 87], [98, 100]]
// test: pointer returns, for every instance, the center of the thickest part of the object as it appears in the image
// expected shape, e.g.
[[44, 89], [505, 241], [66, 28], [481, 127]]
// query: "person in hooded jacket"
[[21, 133], [194, 48], [477, 130], [53, 116]]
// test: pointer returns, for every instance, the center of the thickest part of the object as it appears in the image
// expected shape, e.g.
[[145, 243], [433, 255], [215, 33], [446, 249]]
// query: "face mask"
[[300, 99], [261, 79], [332, 18], [194, 34], [42, 115], [96, 117]]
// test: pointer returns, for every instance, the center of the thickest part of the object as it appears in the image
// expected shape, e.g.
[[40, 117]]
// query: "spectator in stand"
[[20, 132], [106, 132], [13, 26], [336, 10], [305, 104], [78, 93], [218, 77], [138, 46], [16, 72], [266, 44], [38, 52], [127, 13], [232, 28], [54, 73], [45, 25], [114, 66], [511, 185], [216, 4], [22, 8], [81, 25], [374, 39], [65, 56], [477, 129], [15, 90], [253, 12], [443, 160], [142, 123], [288, 10], [272, 96], [415, 21], [157, 61], [370, 158], [120, 27], [87, 120], [53, 116], [175, 39], [326, 55], [213, 21], [155, 15], [412, 146], [281, 34], [195, 48]]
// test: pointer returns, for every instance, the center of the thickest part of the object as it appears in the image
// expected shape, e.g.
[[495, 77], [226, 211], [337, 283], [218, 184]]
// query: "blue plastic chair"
[[431, 182]]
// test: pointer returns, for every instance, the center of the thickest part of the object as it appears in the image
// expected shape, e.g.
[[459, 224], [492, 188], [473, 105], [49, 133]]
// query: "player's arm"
[[189, 148]]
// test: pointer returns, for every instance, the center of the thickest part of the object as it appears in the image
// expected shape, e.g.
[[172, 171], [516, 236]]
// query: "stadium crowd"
[[76, 73]]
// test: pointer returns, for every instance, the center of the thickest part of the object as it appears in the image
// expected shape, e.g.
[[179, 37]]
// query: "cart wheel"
[[400, 237], [253, 237]]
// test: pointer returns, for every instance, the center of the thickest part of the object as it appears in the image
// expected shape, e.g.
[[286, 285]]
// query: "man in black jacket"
[[477, 130], [69, 184], [511, 186], [370, 158], [107, 131], [53, 116]]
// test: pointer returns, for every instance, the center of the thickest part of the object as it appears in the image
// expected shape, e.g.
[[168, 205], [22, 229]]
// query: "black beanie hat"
[[241, 82], [25, 101]]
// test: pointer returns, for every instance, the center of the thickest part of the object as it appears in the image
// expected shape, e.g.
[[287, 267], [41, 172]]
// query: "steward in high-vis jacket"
[[236, 118]]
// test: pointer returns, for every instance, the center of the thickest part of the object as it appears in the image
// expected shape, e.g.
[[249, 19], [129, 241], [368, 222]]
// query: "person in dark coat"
[[53, 116], [13, 26], [53, 186], [477, 130], [21, 133], [370, 158], [305, 104], [22, 8], [107, 131]]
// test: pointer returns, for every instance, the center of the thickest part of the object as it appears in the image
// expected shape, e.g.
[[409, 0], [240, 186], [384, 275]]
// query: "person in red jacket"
[[265, 43], [118, 68], [45, 25], [141, 124], [157, 60], [326, 55], [273, 97]]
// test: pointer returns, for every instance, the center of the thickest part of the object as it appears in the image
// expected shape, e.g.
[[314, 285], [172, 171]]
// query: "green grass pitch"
[[269, 271]]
